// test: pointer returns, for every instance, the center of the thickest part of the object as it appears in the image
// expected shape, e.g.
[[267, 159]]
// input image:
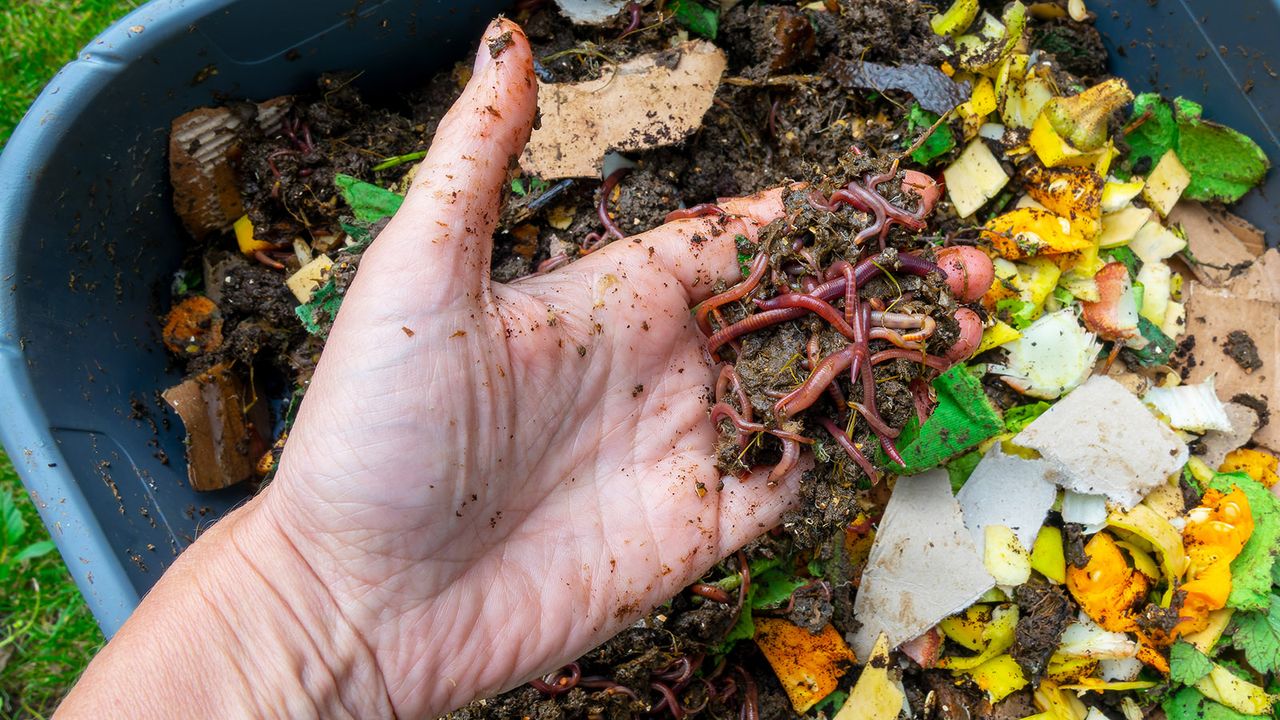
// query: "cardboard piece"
[[206, 195], [1106, 442], [922, 567], [1215, 444], [1249, 302], [654, 100], [1007, 490], [223, 439], [1215, 240]]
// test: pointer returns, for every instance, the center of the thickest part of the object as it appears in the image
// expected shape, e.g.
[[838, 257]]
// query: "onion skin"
[[969, 271], [970, 335]]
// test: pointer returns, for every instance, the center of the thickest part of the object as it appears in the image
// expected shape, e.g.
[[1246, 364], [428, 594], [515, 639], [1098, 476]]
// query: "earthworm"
[[816, 306], [730, 379], [594, 241], [560, 681], [850, 449], [714, 593], [932, 361], [790, 456], [756, 273], [883, 333], [812, 388], [697, 211]]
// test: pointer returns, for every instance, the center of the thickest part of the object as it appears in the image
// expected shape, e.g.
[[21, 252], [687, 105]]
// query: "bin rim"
[[25, 431]]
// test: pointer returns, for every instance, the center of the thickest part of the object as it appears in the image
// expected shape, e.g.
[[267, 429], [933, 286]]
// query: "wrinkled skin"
[[491, 478]]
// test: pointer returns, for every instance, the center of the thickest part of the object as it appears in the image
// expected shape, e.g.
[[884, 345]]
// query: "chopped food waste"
[[1006, 311]]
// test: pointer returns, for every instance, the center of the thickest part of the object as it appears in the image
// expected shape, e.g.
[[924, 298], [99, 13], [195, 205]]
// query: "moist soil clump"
[[1240, 347]]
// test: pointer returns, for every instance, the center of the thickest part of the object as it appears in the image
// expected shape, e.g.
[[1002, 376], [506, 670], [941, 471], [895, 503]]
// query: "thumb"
[[443, 234]]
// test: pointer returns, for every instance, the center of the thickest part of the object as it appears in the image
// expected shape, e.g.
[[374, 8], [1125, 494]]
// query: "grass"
[[47, 634], [39, 37]]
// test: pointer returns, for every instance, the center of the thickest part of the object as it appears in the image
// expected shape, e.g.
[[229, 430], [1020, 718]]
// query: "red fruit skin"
[[929, 190], [970, 335], [1102, 317], [969, 271]]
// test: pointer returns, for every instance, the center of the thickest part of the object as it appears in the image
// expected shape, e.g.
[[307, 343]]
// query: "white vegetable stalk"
[[1195, 408]]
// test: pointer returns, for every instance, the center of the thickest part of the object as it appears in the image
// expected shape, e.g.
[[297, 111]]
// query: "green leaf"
[[1251, 570], [1157, 351], [939, 143], [773, 589], [1224, 163], [832, 703], [744, 628], [369, 203], [1189, 704], [815, 568], [34, 550], [318, 314], [517, 187], [1126, 257], [964, 417], [1187, 664], [1017, 312], [697, 17], [1017, 418], [959, 469], [1258, 635], [12, 526], [1157, 134]]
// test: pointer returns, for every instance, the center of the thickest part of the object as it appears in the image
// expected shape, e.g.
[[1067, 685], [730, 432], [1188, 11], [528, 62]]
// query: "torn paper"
[[223, 443], [1106, 442], [1250, 303], [1007, 490], [654, 100], [591, 12], [923, 565]]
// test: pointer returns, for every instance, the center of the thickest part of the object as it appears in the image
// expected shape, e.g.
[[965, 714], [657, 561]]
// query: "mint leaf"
[[773, 589], [1189, 704], [1258, 635], [1187, 664]]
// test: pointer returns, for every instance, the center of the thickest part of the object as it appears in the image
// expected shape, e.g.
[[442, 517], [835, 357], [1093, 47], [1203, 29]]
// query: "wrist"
[[238, 627], [291, 639]]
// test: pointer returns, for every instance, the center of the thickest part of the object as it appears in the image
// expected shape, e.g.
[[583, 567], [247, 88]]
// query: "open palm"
[[492, 478]]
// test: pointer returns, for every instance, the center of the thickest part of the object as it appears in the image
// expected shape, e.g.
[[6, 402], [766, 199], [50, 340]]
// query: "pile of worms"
[[774, 293]]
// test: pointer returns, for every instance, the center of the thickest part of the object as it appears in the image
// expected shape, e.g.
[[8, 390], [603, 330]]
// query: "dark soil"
[[791, 113], [1240, 348], [1045, 610]]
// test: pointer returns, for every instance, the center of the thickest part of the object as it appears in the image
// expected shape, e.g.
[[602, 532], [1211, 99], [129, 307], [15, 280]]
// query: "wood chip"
[[1249, 302], [654, 100]]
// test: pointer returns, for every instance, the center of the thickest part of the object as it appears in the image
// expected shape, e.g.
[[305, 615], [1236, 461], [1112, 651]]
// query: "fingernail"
[[484, 55]]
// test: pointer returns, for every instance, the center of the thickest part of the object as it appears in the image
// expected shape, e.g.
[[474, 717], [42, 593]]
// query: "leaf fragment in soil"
[[697, 17], [368, 202], [317, 315], [941, 142], [932, 89], [964, 417], [1190, 704]]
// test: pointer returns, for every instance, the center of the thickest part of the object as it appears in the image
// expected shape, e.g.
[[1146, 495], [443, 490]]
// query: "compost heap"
[[1045, 479]]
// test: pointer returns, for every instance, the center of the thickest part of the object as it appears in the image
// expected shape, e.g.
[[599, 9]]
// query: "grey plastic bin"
[[88, 239]]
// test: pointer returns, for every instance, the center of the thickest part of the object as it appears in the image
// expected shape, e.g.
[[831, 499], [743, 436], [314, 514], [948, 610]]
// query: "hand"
[[484, 480], [494, 478]]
